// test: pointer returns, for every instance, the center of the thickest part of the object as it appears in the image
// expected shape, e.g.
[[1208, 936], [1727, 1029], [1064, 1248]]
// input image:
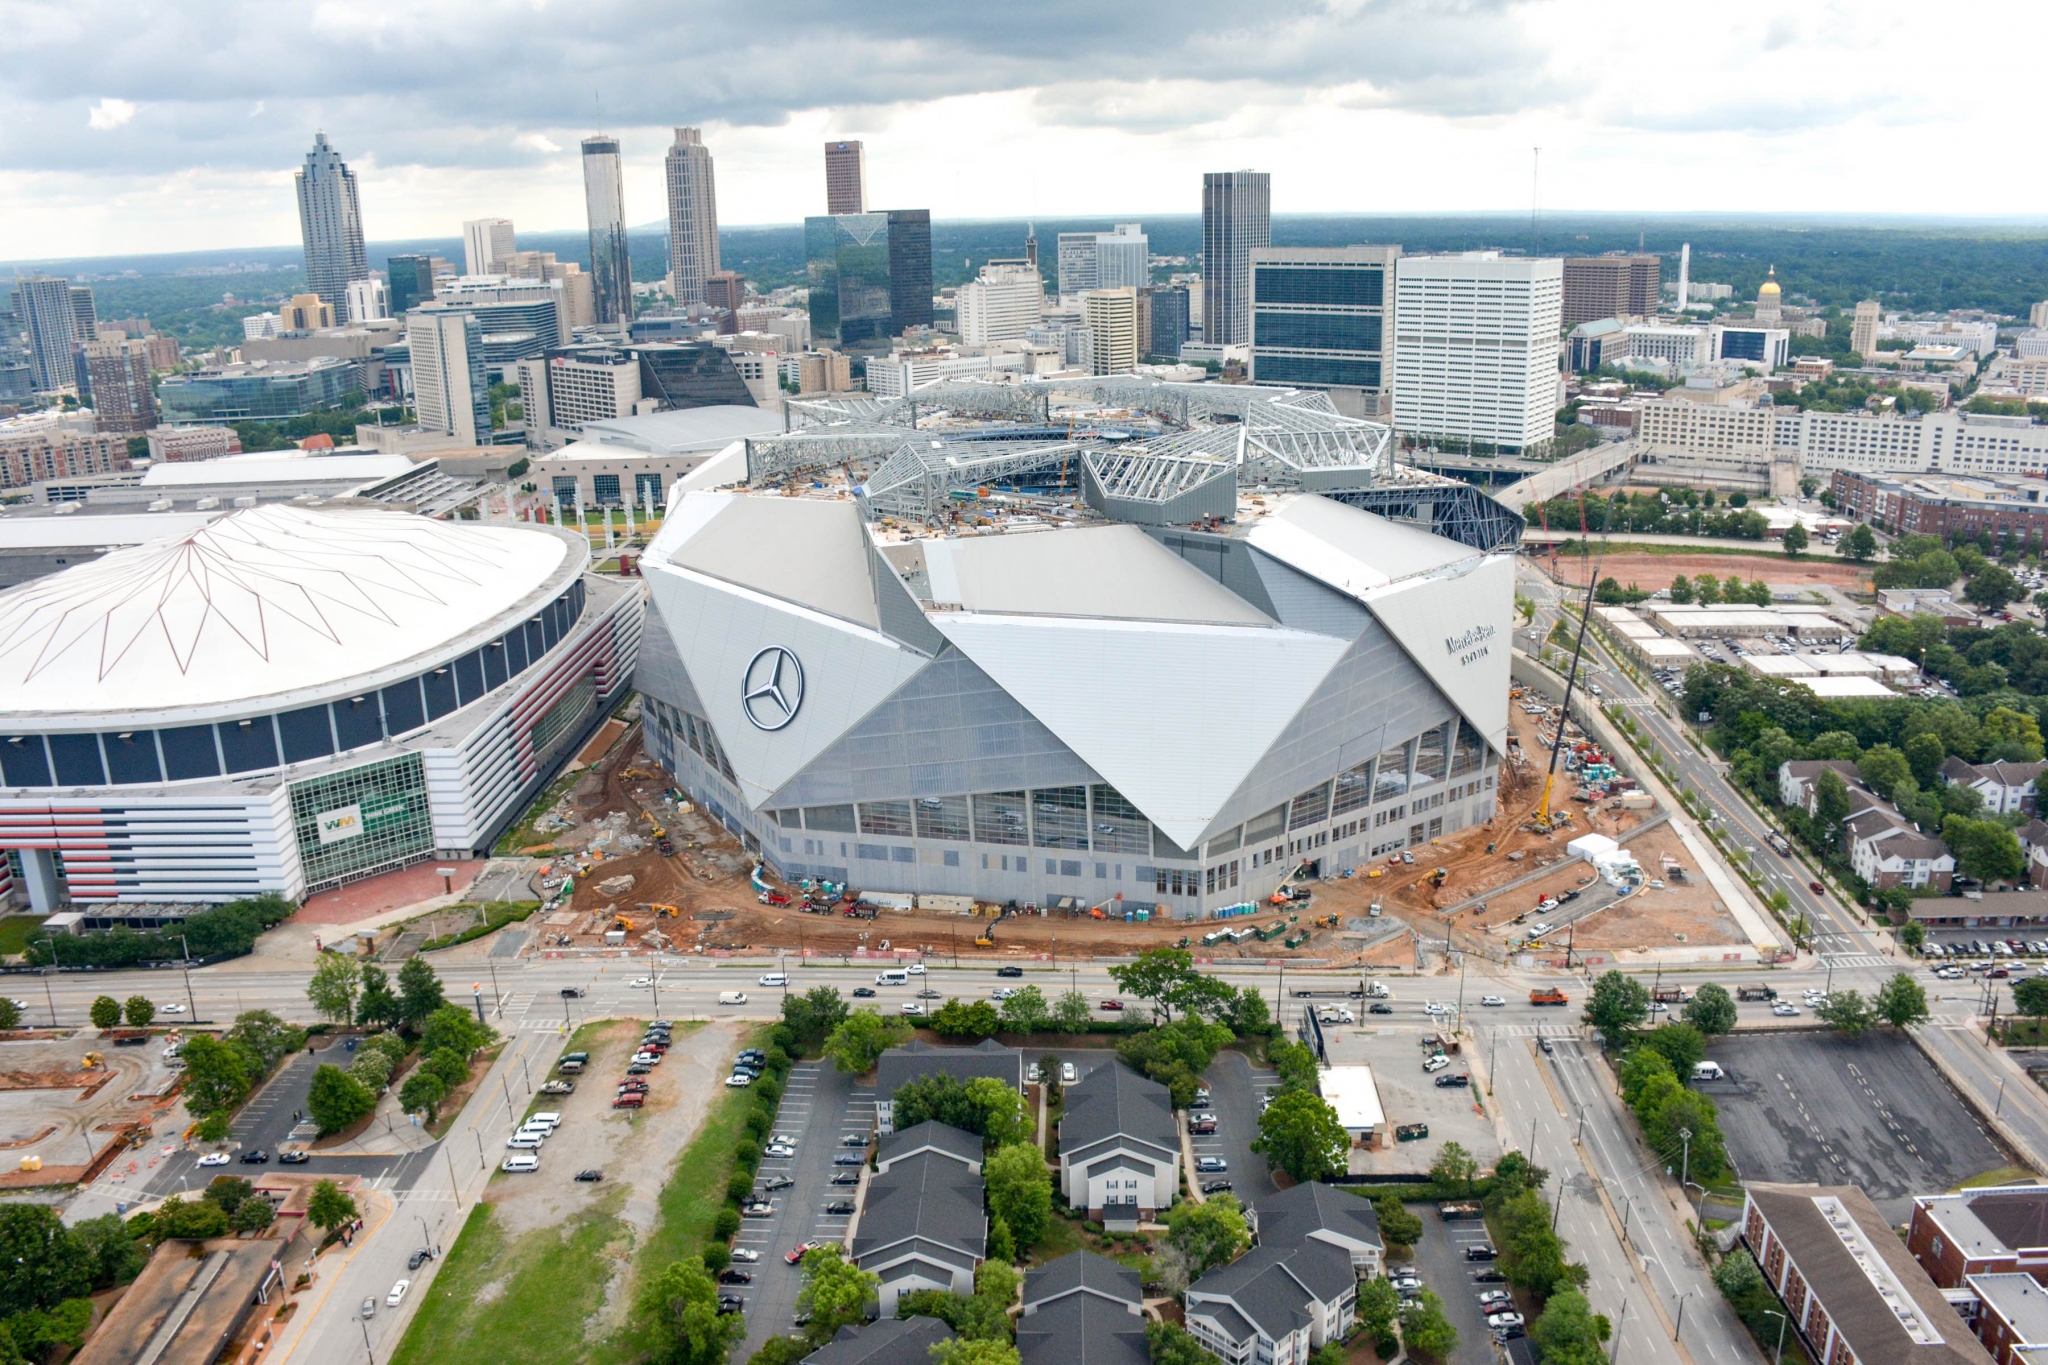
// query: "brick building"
[[32, 451], [1961, 507]]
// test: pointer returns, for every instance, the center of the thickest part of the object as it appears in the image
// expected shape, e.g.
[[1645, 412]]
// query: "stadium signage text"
[[1471, 646]]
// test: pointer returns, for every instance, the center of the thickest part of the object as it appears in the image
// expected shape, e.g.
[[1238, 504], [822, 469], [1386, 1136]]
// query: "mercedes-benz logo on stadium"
[[772, 689]]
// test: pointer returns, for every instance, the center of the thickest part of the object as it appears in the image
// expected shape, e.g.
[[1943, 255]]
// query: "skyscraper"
[[870, 275], [692, 216], [1112, 316], [1475, 351], [1863, 331], [1237, 219], [368, 300], [85, 316], [611, 267], [1002, 305], [331, 224], [1322, 319], [846, 178], [47, 316], [450, 393], [123, 400], [1598, 287], [412, 281], [486, 243], [726, 290]]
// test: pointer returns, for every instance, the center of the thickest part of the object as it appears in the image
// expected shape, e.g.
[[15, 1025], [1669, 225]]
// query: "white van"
[[895, 976], [520, 1163], [774, 979], [732, 997], [525, 1142], [1709, 1071], [547, 1123]]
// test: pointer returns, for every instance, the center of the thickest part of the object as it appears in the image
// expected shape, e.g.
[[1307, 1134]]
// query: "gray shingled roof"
[[933, 1136], [930, 1197], [901, 1065], [1273, 1287], [1291, 1215], [899, 1341], [1082, 1330], [1079, 1271], [1115, 1101]]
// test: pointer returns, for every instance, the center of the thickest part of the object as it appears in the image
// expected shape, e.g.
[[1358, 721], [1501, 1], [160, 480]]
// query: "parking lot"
[[1235, 1089], [1440, 1258], [1873, 1112], [1410, 1095], [820, 1106]]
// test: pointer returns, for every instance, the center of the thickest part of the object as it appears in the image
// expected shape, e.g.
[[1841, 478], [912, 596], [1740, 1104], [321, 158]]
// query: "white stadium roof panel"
[[263, 602], [1456, 626], [803, 550], [1352, 550], [1106, 571], [270, 467]]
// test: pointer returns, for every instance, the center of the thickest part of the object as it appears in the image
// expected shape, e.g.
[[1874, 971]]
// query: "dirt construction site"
[[64, 1095], [650, 871]]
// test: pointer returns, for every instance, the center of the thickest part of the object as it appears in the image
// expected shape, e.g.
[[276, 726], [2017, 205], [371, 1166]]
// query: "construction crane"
[[1571, 678]]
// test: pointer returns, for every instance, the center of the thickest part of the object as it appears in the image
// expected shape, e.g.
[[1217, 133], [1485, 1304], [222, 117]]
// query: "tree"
[[334, 985], [138, 1010], [1680, 1111], [1020, 1191], [1992, 588], [41, 1262], [336, 1099], [677, 1314], [261, 1038], [1569, 1332], [835, 1292], [105, 1012], [455, 1029], [2011, 735], [813, 1015], [1707, 589], [1925, 755], [1639, 1067], [1860, 544], [216, 1075], [957, 1019], [1885, 769], [196, 1219], [974, 1351], [10, 1014], [1454, 1167], [419, 992], [1167, 978], [1379, 1308], [254, 1215], [1681, 590], [1249, 1015], [1425, 1328], [1167, 1344], [1026, 1011], [228, 1191], [982, 1105], [1796, 540], [1295, 1063], [1397, 1226], [1847, 1013], [1985, 849], [117, 1255], [1207, 1234], [376, 1003], [862, 1037], [1300, 1133], [1830, 802], [448, 1066], [1901, 1002], [1711, 1010], [2030, 996], [1618, 1003], [422, 1093], [1073, 1012], [1001, 1245], [1681, 1045], [39, 1331], [1911, 935]]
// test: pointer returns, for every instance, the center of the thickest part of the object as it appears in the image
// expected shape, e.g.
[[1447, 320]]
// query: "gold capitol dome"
[[1770, 284]]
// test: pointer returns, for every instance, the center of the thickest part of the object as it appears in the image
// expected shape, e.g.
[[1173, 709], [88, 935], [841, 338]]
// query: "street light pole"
[[1680, 1325], [1614, 1354], [1778, 1357], [186, 963], [498, 1008], [366, 1341], [52, 999]]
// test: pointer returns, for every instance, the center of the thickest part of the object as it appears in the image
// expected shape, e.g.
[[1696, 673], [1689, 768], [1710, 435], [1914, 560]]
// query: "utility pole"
[[47, 996], [499, 1008], [186, 963], [1557, 1208], [1680, 1325], [1530, 1155], [1615, 1353]]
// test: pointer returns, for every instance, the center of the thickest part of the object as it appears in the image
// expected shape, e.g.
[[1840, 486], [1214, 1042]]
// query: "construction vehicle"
[[92, 1061], [1436, 878], [659, 910], [623, 923], [1548, 995]]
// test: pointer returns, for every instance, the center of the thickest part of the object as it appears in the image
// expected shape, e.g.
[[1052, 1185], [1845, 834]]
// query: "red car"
[[1110, 1005], [1816, 888], [796, 1253], [632, 1100]]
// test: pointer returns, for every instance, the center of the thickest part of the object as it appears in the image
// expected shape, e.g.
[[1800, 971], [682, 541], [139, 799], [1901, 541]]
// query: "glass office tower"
[[870, 275]]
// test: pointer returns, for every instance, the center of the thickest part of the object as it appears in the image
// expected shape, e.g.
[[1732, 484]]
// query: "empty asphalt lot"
[[1814, 1107]]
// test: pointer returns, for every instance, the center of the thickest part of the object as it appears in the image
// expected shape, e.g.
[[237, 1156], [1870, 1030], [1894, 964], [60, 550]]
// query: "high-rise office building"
[[1077, 263], [1863, 331], [15, 379], [1598, 287], [1237, 219], [1163, 321], [47, 317], [450, 393], [123, 401], [486, 242], [567, 387], [1104, 260], [368, 300], [846, 178], [726, 290], [692, 216], [1112, 315], [331, 224], [85, 317], [1475, 349], [2037, 315], [308, 313], [1001, 305], [611, 267], [870, 275], [411, 280], [1320, 321]]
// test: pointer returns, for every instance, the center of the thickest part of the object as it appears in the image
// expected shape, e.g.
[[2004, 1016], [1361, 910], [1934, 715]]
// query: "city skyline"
[[124, 136]]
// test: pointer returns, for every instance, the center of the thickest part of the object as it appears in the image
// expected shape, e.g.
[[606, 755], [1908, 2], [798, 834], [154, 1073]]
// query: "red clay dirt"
[[1651, 572]]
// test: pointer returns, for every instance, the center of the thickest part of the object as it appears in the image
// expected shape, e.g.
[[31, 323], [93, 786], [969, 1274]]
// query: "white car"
[[1001, 993], [214, 1159], [1785, 1009], [1503, 1320], [1539, 930], [745, 1255], [779, 1150], [1437, 1007], [738, 1081], [915, 969], [640, 983], [397, 1294], [170, 1009], [1435, 1064], [782, 1140], [1068, 1075], [1491, 1000], [647, 1059], [912, 1007]]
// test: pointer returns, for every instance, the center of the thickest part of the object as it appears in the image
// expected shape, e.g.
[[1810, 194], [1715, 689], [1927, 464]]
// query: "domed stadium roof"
[[264, 602]]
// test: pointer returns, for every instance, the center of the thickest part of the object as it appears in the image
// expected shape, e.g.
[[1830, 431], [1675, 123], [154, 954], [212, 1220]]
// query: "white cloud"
[[109, 114], [536, 142]]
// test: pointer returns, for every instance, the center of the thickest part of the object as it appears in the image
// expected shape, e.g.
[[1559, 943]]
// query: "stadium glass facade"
[[361, 821]]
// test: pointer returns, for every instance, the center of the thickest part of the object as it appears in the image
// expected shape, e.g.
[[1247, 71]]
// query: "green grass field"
[[15, 932]]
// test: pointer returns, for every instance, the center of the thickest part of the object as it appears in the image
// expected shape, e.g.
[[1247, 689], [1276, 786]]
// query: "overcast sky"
[[145, 126]]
